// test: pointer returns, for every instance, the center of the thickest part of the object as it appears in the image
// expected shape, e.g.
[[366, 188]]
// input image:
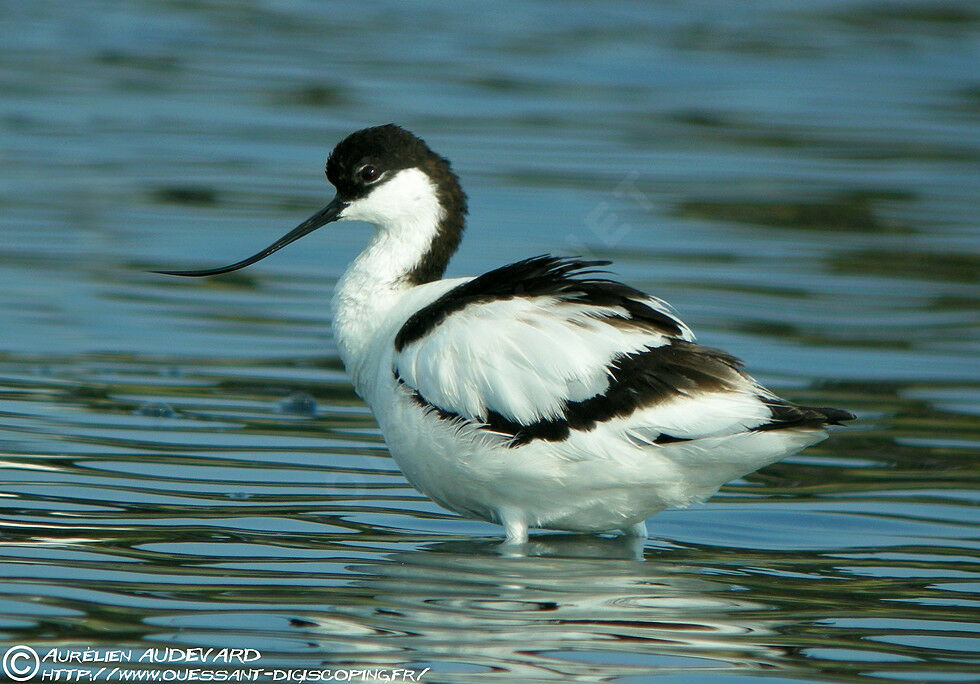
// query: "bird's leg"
[[515, 526], [638, 530]]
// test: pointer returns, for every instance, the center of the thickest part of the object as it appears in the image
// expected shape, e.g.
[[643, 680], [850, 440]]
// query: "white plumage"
[[540, 394], [521, 357], [492, 358]]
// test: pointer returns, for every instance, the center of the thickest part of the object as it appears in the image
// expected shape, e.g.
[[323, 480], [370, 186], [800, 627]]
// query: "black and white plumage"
[[644, 358], [540, 394]]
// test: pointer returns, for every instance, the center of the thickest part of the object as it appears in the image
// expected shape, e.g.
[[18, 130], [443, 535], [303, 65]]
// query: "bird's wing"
[[545, 346]]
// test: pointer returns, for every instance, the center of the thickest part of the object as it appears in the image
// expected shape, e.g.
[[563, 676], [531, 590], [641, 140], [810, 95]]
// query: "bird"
[[542, 394]]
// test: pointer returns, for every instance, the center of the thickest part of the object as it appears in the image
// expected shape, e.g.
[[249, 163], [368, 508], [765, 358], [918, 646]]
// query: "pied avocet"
[[540, 394]]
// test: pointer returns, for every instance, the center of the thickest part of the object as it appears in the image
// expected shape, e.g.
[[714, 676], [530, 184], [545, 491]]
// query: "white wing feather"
[[525, 358]]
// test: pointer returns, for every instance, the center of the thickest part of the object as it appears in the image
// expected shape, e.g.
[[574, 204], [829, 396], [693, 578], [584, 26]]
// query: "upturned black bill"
[[329, 213]]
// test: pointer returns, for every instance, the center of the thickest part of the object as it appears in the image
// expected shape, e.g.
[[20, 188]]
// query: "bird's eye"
[[369, 173]]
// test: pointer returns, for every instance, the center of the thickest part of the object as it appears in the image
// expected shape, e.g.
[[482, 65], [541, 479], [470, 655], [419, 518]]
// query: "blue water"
[[798, 179]]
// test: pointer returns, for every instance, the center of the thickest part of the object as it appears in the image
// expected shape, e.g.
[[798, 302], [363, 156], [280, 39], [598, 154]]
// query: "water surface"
[[799, 180]]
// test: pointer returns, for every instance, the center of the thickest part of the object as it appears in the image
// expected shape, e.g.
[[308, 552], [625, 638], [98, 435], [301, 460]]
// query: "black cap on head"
[[373, 155], [386, 149]]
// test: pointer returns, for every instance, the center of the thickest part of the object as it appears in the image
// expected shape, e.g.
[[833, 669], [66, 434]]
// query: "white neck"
[[406, 214]]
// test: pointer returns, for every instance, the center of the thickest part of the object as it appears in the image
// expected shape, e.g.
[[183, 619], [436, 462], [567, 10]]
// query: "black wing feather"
[[568, 279], [638, 379]]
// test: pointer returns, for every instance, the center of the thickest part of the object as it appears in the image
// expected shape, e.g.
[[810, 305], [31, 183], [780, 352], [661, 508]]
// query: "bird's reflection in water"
[[564, 603], [556, 545]]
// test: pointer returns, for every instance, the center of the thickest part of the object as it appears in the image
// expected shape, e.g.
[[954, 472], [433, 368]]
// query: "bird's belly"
[[594, 481], [472, 472], [456, 469]]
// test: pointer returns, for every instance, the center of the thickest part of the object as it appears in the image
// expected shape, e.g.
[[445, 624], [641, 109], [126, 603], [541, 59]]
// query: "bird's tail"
[[787, 415]]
